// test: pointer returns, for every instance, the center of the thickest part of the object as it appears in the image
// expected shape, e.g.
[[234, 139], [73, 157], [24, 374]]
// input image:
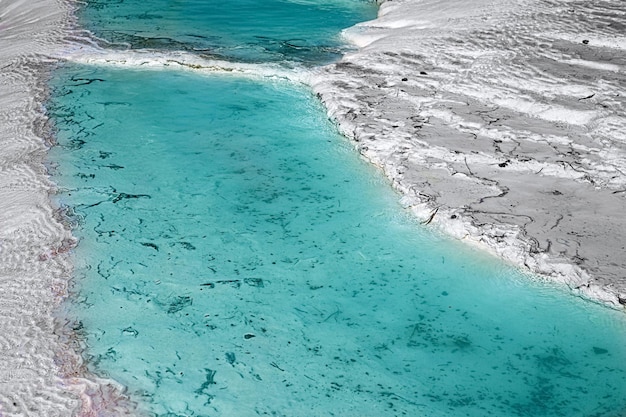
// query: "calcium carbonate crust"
[[502, 124]]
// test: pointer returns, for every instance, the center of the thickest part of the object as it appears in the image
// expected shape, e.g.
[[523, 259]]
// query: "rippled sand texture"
[[504, 119], [39, 373]]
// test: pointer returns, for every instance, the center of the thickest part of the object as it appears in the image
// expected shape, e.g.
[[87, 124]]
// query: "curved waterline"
[[237, 258]]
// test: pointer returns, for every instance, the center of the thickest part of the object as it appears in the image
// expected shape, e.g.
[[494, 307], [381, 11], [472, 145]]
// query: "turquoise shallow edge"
[[284, 31]]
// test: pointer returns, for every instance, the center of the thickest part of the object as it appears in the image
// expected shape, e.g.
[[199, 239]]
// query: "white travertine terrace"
[[505, 118]]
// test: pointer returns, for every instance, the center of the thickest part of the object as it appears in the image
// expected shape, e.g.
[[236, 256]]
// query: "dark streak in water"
[[123, 196], [150, 245]]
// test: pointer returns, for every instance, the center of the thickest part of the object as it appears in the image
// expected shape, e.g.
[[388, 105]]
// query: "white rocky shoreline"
[[502, 123]]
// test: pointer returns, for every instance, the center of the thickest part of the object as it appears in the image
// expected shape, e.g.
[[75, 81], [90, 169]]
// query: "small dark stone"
[[423, 73], [599, 351], [248, 336], [405, 79], [502, 165], [208, 284], [557, 192], [453, 216], [586, 41]]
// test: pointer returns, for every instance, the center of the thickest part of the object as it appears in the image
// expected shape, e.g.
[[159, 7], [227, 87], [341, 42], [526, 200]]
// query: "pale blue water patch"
[[238, 259], [246, 30]]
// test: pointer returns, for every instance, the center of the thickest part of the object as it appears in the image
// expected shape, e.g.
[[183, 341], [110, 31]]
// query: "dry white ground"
[[505, 118]]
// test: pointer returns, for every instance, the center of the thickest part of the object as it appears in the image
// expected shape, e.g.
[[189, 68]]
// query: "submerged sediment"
[[502, 123]]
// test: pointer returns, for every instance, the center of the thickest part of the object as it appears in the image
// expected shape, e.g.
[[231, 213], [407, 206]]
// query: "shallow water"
[[305, 31], [237, 258]]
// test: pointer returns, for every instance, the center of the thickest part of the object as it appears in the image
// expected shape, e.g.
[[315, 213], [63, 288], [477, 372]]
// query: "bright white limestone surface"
[[508, 118]]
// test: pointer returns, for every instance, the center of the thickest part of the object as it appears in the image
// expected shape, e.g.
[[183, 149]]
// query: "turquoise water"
[[304, 31], [237, 258]]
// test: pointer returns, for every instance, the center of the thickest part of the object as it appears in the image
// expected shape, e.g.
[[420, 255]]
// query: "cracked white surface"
[[508, 118]]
